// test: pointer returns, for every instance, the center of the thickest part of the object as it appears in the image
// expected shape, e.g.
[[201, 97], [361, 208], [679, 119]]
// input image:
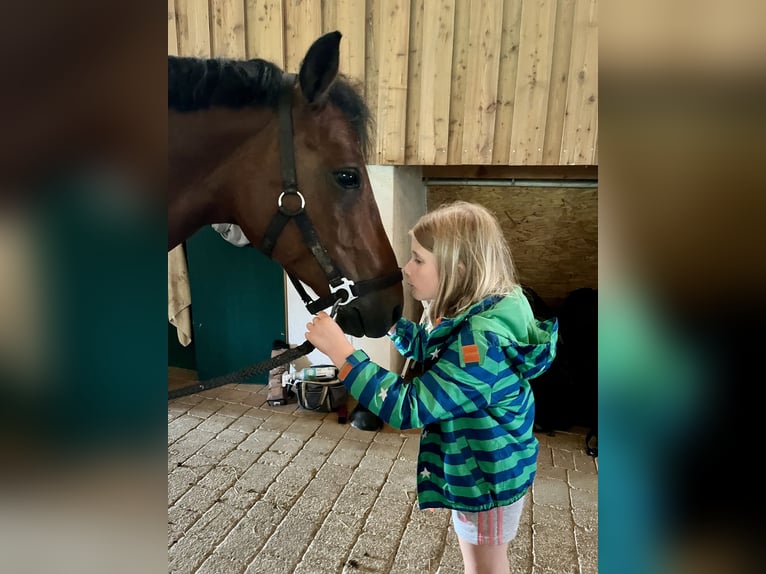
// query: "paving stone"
[[583, 480], [331, 429], [420, 550], [563, 458], [179, 481], [302, 430], [584, 499], [554, 549], [348, 453], [206, 407], [216, 449], [180, 426], [215, 423], [320, 445], [552, 492], [233, 410], [246, 425], [233, 437], [239, 459], [380, 466], [587, 550], [219, 479], [383, 450], [286, 445], [585, 463], [259, 441]]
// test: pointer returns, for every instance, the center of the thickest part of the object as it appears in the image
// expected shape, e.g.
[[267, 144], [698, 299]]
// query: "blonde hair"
[[472, 257]]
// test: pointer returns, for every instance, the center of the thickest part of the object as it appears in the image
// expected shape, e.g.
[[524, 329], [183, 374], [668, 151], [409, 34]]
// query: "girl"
[[478, 454]]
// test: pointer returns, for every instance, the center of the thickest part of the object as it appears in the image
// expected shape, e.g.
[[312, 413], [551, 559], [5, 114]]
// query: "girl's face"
[[421, 274]]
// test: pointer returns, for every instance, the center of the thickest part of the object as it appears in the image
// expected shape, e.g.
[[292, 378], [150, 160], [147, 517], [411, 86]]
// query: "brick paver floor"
[[279, 490]]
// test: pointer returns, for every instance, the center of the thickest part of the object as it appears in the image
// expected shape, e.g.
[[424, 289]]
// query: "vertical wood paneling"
[[581, 119], [435, 84], [480, 107], [303, 25], [506, 90], [458, 83], [371, 58], [392, 80], [448, 82], [557, 94], [172, 35], [350, 20], [533, 82], [265, 31], [228, 28], [414, 81], [193, 28]]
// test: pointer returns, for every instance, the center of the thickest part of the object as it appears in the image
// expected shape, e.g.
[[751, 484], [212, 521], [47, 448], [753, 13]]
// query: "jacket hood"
[[529, 344]]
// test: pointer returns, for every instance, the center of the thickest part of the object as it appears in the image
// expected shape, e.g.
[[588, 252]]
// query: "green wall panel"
[[238, 305]]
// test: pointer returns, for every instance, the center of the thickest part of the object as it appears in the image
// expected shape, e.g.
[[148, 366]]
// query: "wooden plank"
[[485, 30], [172, 35], [458, 82], [193, 28], [595, 145], [349, 20], [371, 70], [562, 172], [538, 21], [392, 80], [228, 28], [433, 121], [330, 11], [303, 25], [506, 81], [581, 120], [557, 94], [414, 75], [265, 31]]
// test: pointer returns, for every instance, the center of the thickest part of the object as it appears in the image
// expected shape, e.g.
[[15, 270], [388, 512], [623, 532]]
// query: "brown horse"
[[282, 156]]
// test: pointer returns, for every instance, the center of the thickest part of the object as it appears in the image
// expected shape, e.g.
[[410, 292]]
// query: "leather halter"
[[342, 289]]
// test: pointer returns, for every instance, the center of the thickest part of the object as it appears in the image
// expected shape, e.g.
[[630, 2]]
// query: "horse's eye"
[[347, 178]]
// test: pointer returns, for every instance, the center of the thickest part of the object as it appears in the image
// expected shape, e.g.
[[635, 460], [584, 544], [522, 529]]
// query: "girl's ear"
[[461, 270]]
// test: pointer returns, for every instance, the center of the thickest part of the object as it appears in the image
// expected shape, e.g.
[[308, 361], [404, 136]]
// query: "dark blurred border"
[[682, 117], [83, 354]]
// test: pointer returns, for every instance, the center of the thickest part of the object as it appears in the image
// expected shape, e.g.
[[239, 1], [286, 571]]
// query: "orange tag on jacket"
[[470, 353]]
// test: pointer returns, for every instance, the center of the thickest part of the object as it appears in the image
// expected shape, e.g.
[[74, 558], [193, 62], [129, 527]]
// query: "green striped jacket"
[[474, 402]]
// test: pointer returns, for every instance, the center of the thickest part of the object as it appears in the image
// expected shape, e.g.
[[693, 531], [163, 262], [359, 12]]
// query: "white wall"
[[400, 195]]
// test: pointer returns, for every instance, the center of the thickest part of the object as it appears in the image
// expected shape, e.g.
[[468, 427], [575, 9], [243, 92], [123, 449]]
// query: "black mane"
[[197, 84]]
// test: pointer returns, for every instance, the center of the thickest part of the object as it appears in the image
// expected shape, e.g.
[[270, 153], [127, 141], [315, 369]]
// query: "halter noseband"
[[342, 289]]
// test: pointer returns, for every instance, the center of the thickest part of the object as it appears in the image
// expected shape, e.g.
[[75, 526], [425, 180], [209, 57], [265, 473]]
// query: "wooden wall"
[[449, 82]]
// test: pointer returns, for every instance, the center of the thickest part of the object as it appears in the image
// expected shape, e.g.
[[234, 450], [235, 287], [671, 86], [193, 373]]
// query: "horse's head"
[[329, 136]]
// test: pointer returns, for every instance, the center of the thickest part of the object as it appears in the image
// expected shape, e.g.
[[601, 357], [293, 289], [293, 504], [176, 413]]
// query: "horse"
[[283, 157]]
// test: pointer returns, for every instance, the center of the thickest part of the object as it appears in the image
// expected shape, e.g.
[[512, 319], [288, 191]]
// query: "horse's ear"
[[320, 66]]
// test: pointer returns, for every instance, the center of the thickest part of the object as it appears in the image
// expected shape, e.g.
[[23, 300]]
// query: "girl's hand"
[[323, 332]]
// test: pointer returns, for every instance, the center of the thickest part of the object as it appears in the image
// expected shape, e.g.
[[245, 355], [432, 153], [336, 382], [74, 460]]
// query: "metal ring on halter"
[[297, 211]]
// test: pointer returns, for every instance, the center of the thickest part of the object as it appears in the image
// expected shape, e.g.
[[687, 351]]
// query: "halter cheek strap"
[[342, 289]]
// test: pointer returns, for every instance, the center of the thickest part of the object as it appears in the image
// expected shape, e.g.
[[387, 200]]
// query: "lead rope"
[[244, 374]]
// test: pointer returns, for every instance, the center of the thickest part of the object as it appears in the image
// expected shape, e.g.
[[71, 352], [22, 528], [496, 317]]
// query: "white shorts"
[[494, 526]]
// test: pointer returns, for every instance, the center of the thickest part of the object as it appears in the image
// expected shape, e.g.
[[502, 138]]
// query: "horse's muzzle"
[[372, 315]]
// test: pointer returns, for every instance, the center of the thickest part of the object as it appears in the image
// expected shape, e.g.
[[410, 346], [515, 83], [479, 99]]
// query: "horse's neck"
[[198, 143]]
